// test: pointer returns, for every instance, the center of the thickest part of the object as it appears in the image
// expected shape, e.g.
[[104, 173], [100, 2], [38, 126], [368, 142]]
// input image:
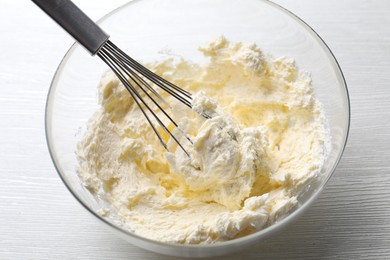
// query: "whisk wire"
[[120, 68], [109, 63], [169, 87], [136, 76], [133, 76]]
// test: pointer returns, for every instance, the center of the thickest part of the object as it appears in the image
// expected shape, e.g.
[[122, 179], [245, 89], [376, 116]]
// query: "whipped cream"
[[224, 159], [264, 141]]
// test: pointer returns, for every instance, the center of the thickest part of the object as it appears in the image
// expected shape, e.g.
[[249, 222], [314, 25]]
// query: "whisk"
[[136, 78]]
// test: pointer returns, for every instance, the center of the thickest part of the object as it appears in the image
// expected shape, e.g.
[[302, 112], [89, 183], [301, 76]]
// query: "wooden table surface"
[[39, 218]]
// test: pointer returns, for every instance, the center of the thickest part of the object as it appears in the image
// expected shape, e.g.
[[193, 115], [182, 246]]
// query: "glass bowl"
[[143, 28]]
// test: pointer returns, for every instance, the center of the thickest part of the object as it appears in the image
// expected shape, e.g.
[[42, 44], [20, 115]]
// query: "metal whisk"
[[136, 78]]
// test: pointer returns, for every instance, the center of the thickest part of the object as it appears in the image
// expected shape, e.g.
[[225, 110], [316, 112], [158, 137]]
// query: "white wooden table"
[[39, 219]]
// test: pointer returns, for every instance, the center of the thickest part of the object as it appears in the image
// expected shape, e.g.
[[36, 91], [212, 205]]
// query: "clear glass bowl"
[[143, 28]]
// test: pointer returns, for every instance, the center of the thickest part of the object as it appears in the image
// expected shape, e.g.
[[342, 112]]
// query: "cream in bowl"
[[265, 140]]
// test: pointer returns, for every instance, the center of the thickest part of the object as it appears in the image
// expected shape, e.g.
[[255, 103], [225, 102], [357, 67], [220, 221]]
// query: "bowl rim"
[[253, 236]]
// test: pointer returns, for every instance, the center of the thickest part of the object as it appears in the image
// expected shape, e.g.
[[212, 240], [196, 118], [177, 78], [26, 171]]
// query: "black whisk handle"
[[75, 22]]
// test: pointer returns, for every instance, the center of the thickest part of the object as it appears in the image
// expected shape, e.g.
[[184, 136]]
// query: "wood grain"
[[39, 219]]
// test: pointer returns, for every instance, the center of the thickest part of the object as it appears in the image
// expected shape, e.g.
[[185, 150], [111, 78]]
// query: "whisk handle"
[[75, 22]]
